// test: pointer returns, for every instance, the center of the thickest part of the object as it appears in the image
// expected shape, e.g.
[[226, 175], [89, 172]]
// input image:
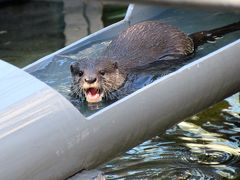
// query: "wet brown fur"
[[139, 45]]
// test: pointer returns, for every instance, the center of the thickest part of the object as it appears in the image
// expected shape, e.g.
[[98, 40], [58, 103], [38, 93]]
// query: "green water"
[[29, 31], [205, 146]]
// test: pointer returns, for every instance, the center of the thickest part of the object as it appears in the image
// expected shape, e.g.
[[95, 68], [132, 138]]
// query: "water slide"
[[44, 136]]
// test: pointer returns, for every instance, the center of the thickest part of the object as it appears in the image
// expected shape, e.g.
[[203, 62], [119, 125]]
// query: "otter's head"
[[96, 79]]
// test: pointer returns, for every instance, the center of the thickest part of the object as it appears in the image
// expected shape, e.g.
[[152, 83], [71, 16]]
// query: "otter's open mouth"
[[93, 95]]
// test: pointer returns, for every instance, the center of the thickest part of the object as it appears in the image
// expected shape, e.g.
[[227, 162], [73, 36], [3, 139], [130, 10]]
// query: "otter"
[[138, 46]]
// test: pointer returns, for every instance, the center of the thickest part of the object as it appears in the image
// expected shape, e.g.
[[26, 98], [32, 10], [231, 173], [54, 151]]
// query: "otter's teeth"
[[93, 95], [92, 91]]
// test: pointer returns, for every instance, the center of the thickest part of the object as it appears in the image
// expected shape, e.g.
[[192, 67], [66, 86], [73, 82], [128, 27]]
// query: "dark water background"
[[205, 146]]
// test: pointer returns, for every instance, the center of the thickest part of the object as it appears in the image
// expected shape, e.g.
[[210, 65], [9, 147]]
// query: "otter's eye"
[[102, 72], [80, 73]]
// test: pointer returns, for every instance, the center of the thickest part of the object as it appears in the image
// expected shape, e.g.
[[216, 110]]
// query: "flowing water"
[[205, 146], [57, 75]]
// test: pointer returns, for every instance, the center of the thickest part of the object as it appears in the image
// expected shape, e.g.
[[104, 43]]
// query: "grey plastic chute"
[[43, 136]]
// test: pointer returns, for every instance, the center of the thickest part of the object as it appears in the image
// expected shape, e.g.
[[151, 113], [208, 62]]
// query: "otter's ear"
[[74, 67], [115, 65]]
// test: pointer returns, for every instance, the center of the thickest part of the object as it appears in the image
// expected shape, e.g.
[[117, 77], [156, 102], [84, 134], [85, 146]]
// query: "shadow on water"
[[29, 31], [205, 146]]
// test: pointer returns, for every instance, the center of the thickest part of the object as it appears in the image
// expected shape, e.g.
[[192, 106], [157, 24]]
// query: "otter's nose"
[[90, 80]]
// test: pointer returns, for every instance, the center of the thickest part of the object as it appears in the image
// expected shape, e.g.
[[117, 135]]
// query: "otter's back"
[[149, 41]]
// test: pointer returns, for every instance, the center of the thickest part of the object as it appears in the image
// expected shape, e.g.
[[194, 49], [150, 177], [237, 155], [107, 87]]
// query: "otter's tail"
[[202, 37]]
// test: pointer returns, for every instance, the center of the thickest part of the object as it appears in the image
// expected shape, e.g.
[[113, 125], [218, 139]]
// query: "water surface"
[[30, 30], [205, 146], [57, 75]]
